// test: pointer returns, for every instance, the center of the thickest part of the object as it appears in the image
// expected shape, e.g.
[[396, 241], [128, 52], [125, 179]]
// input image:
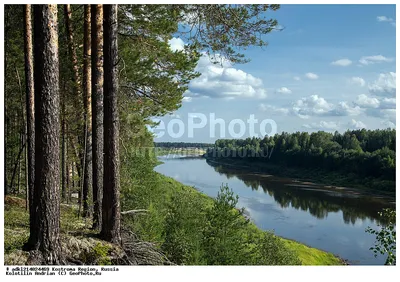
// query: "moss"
[[16, 224], [98, 254]]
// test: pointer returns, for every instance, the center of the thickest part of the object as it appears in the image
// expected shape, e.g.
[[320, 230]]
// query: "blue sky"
[[331, 68]]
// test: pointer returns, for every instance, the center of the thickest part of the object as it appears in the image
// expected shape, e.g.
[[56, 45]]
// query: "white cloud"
[[358, 80], [224, 81], [297, 78], [311, 75], [367, 102], [176, 44], [354, 124], [187, 99], [323, 125], [310, 106], [344, 109], [318, 106], [369, 60], [388, 103], [385, 85], [384, 19], [388, 114], [273, 109], [388, 123], [342, 62], [284, 90]]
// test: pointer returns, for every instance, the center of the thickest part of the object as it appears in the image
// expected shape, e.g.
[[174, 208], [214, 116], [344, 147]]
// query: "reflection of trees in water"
[[317, 203]]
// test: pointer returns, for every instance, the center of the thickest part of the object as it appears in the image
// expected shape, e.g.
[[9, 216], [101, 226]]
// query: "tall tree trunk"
[[71, 49], [79, 117], [87, 96], [97, 111], [16, 167], [22, 130], [47, 126], [63, 151], [111, 206], [30, 115], [68, 180], [21, 141], [72, 178]]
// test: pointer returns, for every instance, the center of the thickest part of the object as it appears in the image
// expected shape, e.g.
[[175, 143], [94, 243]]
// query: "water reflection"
[[309, 197]]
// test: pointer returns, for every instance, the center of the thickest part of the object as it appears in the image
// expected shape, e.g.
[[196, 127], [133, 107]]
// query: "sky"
[[332, 67]]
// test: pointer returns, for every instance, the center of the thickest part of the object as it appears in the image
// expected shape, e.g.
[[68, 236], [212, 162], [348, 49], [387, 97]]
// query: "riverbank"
[[162, 151], [306, 254], [369, 186]]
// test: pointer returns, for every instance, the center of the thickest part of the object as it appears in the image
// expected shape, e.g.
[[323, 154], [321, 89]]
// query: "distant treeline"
[[362, 153], [182, 145]]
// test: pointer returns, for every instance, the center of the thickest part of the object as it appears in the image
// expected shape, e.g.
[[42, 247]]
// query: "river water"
[[328, 218]]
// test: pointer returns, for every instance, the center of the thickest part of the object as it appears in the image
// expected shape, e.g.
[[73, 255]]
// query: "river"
[[333, 219]]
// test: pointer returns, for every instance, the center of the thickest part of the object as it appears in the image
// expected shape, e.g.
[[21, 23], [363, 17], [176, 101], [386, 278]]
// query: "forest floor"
[[79, 243]]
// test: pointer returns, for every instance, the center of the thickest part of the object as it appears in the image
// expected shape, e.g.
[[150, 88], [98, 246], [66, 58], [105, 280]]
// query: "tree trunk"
[[77, 87], [68, 181], [77, 157], [97, 111], [22, 130], [72, 178], [111, 207], [87, 96], [47, 126], [71, 48], [63, 151], [16, 167], [21, 140]]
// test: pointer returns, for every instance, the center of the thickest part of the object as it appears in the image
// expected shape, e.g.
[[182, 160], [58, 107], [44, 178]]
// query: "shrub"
[[224, 239], [385, 243], [184, 224]]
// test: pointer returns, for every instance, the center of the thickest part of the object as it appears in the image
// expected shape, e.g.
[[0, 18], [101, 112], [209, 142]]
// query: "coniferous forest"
[[355, 155], [82, 86]]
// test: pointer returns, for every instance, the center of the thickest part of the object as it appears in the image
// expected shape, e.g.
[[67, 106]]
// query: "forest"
[[81, 85], [354, 154], [182, 145]]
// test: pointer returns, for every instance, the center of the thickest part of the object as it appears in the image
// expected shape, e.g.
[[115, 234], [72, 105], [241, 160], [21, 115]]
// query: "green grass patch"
[[311, 256]]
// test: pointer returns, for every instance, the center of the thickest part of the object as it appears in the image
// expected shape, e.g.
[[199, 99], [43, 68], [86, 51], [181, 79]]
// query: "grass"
[[312, 256], [307, 255]]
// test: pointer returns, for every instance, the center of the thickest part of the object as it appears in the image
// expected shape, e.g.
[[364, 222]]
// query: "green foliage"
[[153, 77], [367, 155], [385, 243], [218, 234], [223, 236], [183, 229], [274, 251], [226, 29]]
